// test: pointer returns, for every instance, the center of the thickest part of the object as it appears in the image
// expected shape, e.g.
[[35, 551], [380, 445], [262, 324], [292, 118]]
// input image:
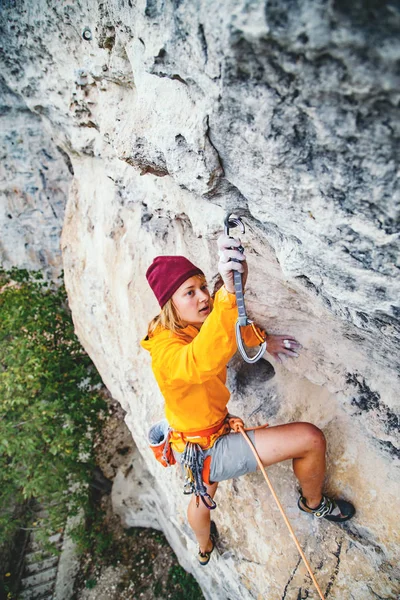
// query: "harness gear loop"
[[243, 320], [237, 426], [192, 460]]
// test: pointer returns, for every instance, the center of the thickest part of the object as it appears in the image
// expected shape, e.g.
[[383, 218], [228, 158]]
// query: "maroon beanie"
[[167, 273]]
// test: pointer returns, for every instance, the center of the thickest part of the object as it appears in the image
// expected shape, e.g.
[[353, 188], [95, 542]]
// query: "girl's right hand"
[[227, 251]]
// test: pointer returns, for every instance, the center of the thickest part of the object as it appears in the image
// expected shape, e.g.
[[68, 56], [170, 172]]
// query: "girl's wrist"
[[229, 290]]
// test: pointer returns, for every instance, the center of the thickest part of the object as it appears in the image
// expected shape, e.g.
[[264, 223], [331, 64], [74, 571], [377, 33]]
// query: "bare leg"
[[199, 520], [305, 444]]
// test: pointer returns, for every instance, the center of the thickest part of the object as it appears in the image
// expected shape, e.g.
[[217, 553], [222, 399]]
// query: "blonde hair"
[[169, 317]]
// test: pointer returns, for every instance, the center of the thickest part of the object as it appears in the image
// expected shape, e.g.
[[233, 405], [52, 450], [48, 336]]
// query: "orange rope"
[[237, 426]]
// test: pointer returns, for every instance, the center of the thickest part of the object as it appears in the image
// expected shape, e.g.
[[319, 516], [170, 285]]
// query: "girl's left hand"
[[282, 347]]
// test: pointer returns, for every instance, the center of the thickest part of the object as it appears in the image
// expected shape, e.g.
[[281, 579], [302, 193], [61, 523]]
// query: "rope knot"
[[236, 424]]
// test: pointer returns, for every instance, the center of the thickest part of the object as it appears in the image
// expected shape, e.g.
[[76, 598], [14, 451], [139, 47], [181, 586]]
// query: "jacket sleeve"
[[250, 338], [209, 352]]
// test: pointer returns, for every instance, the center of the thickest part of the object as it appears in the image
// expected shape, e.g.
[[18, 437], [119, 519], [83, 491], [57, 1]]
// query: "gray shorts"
[[231, 457]]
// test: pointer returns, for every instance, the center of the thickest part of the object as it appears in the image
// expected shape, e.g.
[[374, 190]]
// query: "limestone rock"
[[174, 113], [34, 181]]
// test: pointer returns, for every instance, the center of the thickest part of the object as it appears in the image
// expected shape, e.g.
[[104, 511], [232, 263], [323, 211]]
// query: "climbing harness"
[[192, 458], [243, 320], [237, 426], [193, 462]]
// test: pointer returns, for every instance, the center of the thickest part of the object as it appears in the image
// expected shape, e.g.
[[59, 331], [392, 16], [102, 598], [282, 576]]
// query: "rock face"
[[172, 113], [34, 181]]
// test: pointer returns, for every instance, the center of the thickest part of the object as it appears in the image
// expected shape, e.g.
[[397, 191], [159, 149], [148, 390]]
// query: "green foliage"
[[49, 402], [158, 589], [182, 585], [92, 536]]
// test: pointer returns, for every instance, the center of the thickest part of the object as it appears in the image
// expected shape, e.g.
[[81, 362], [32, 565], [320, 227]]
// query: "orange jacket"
[[190, 367]]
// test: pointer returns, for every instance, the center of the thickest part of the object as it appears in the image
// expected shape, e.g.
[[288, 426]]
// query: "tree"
[[50, 402]]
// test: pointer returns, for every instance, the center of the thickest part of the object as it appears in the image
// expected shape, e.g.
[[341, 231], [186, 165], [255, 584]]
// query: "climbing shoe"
[[337, 511], [204, 557]]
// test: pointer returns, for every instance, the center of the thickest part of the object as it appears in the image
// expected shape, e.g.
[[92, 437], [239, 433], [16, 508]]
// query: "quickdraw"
[[192, 460], [243, 320]]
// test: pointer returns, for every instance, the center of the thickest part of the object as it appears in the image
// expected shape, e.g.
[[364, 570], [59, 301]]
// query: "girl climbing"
[[190, 342]]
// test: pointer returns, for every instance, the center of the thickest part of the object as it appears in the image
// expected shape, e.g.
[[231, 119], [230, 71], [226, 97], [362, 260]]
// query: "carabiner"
[[231, 222], [208, 501], [243, 320], [245, 356]]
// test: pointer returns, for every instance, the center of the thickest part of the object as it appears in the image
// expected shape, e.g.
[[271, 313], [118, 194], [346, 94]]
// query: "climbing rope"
[[237, 425]]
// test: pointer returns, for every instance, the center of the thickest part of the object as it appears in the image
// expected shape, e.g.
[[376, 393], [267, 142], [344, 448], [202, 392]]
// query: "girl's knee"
[[314, 437]]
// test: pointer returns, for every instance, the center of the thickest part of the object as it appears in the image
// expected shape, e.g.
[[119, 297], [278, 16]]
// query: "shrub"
[[50, 402]]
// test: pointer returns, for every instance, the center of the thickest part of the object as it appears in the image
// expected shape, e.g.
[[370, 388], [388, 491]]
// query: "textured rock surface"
[[34, 180], [172, 113]]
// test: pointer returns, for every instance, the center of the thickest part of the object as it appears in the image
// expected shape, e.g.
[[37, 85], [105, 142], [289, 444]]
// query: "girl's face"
[[192, 301]]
